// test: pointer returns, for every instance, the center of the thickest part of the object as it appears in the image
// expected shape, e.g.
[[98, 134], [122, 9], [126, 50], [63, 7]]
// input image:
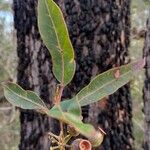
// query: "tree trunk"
[[99, 31], [146, 91], [34, 73]]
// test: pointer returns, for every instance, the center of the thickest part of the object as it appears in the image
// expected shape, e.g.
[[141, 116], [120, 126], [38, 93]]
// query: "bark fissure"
[[99, 31]]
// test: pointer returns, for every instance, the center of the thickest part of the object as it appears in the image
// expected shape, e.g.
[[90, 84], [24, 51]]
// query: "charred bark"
[[146, 91], [34, 73], [100, 32]]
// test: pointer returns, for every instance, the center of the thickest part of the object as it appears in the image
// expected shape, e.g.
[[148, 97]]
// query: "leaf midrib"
[[99, 88], [59, 47], [26, 99]]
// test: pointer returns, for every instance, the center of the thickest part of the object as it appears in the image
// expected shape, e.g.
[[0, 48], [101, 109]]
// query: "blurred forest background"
[[9, 118]]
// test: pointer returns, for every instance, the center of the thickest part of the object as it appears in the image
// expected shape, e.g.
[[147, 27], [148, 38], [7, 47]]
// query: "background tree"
[[146, 90], [7, 55], [140, 13], [9, 134], [100, 32]]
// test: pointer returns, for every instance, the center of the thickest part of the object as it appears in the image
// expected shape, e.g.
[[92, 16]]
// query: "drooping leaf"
[[29, 100], [71, 119], [95, 136], [55, 35], [100, 87], [70, 111], [67, 112], [107, 83], [21, 98]]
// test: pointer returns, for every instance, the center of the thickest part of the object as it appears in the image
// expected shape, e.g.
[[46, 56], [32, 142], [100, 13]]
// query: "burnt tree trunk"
[[146, 91], [100, 32], [34, 73]]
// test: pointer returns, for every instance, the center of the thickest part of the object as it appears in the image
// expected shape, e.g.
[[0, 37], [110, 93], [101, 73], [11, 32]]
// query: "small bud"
[[81, 144], [97, 138], [72, 131]]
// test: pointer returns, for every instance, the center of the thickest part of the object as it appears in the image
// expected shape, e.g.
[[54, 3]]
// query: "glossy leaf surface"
[[55, 35], [21, 98], [69, 113], [76, 121], [107, 83]]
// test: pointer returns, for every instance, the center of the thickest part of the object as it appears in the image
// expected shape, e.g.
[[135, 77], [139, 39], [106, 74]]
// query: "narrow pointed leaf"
[[107, 83], [101, 86], [67, 112], [54, 33], [21, 98]]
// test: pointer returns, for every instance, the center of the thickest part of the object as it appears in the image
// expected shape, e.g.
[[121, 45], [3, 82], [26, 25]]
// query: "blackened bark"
[[146, 91], [99, 31], [34, 73]]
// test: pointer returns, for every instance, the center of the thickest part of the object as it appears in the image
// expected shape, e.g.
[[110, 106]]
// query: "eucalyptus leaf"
[[55, 35], [101, 86], [67, 112], [70, 111], [106, 83], [75, 121], [29, 100], [21, 98]]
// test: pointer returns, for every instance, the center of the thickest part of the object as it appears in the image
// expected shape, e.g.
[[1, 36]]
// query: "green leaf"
[[21, 98], [55, 35], [107, 83], [100, 87], [96, 137], [69, 112], [70, 106], [73, 120], [29, 100]]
